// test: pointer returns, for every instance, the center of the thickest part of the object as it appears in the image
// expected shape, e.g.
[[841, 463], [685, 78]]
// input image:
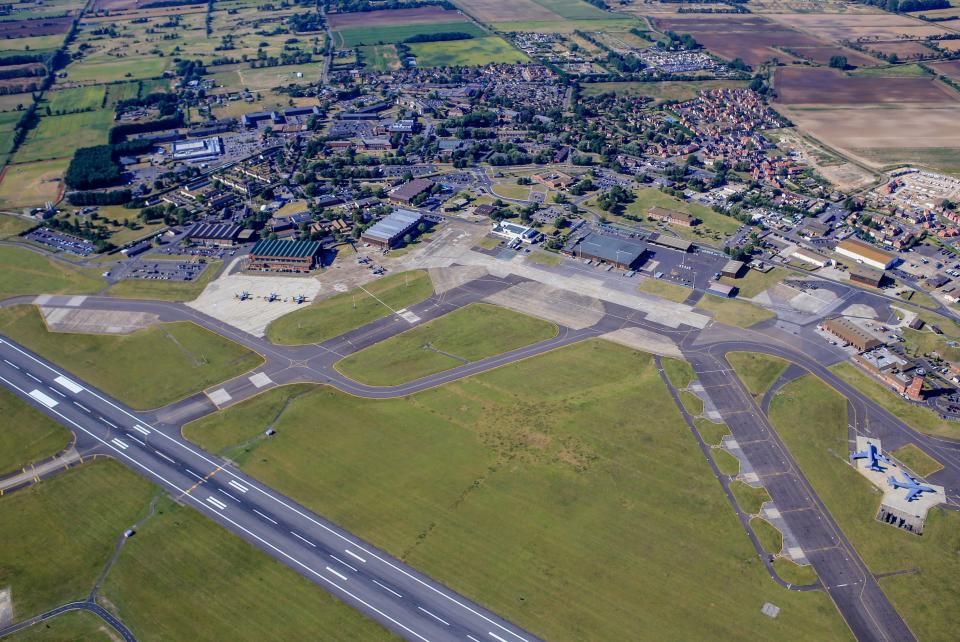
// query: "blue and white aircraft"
[[914, 488], [875, 458]]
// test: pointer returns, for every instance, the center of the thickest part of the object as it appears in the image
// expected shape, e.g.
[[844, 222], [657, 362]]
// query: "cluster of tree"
[[190, 70], [165, 103], [345, 6], [113, 197], [677, 41], [624, 64], [96, 235], [838, 62], [300, 22], [482, 118], [22, 71], [902, 6], [614, 199], [95, 167], [599, 4], [439, 37], [159, 4]]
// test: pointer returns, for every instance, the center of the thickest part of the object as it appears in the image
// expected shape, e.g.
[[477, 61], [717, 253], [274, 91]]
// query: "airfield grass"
[[489, 242], [471, 333], [32, 184], [11, 225], [757, 371], [916, 460], [665, 290], [679, 372], [165, 290], [691, 403], [753, 282], [147, 368], [749, 499], [550, 259], [58, 535], [811, 418], [332, 317], [770, 538], [60, 136], [23, 271], [736, 313], [380, 57], [28, 435], [390, 34], [72, 626], [727, 463], [466, 53], [235, 590], [711, 433], [917, 417], [77, 99], [523, 485], [790, 571]]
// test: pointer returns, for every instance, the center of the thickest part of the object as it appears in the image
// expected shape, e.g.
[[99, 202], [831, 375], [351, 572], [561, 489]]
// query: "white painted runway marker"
[[81, 406], [216, 502], [435, 617], [303, 539], [238, 485], [354, 555], [337, 559], [165, 457], [119, 443], [11, 363], [136, 439], [269, 519], [387, 588], [46, 400], [495, 636], [342, 577], [32, 377], [229, 495], [56, 392], [112, 425], [140, 429], [194, 474], [69, 384]]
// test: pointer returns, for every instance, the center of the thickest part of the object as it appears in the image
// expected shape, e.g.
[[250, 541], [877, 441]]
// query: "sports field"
[[28, 435], [712, 222], [32, 184], [472, 333], [332, 317], [563, 492], [146, 369], [58, 535], [757, 371], [811, 418], [23, 271], [466, 53], [59, 136]]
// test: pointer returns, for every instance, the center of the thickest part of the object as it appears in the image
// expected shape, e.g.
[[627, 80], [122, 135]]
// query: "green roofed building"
[[284, 256]]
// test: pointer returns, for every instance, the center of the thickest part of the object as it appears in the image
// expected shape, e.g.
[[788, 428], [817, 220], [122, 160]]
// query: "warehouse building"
[[672, 242], [867, 276], [672, 217], [410, 190], [813, 258], [866, 254], [389, 231], [284, 256], [848, 332], [218, 234], [203, 149], [622, 253], [733, 269]]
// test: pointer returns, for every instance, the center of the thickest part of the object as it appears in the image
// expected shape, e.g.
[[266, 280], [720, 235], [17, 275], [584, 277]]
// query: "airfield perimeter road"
[[402, 599], [370, 580]]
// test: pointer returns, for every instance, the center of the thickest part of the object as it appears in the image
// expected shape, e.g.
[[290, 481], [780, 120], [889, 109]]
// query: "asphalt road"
[[85, 605], [359, 574]]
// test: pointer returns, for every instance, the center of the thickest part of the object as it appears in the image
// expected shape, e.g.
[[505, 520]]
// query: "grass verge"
[[710, 432], [770, 538], [916, 460], [736, 313], [23, 271], [749, 499], [145, 369], [790, 571], [28, 435], [665, 290], [332, 317], [471, 333], [552, 446], [726, 462], [757, 371]]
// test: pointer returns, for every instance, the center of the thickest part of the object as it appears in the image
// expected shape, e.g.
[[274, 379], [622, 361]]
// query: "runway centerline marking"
[[342, 577], [302, 538], [435, 617], [387, 588], [228, 495], [269, 519], [354, 555], [352, 568]]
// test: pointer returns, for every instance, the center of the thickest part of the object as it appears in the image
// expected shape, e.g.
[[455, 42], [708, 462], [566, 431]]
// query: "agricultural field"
[[349, 38], [264, 78], [28, 435], [818, 86], [471, 333], [465, 53], [949, 68], [380, 57], [68, 101], [84, 72], [811, 418], [550, 446], [60, 136], [185, 358], [329, 318], [23, 271], [821, 55], [858, 27]]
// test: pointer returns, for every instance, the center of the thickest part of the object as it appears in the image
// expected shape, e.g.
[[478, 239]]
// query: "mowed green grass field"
[[466, 53], [341, 313], [811, 418], [564, 492], [757, 371], [23, 271], [72, 626], [391, 34], [471, 333], [60, 136], [145, 369], [66, 101], [28, 435]]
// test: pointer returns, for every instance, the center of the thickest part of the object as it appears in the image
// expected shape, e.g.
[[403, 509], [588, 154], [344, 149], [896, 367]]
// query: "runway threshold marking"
[[46, 400], [238, 485], [69, 384], [119, 443], [140, 429]]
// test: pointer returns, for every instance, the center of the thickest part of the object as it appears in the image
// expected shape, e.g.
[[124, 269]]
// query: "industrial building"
[[721, 289], [848, 332], [733, 269], [284, 256], [866, 254], [389, 231], [197, 150], [219, 234], [867, 276], [672, 242], [513, 232], [813, 258], [622, 253], [410, 190], [672, 217]]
